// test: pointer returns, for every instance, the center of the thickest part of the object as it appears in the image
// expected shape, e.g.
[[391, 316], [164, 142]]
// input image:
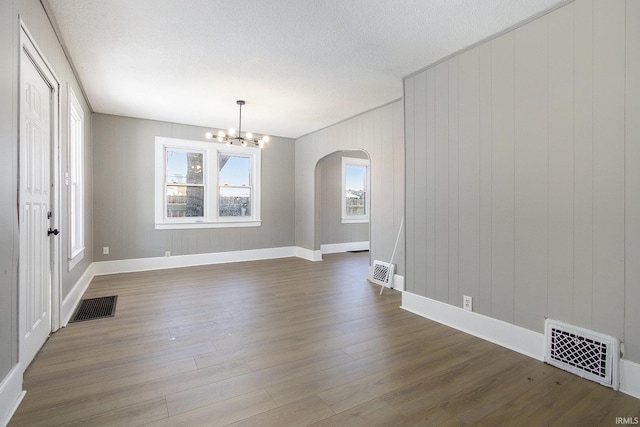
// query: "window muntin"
[[206, 185], [355, 190]]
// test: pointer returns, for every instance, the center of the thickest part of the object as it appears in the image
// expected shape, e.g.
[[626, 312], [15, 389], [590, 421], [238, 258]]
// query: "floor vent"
[[382, 272], [95, 308], [586, 353]]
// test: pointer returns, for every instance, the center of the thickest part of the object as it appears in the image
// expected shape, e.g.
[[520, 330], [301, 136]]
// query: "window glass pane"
[[355, 177], [184, 167], [235, 201], [356, 203], [355, 184], [184, 201], [234, 170]]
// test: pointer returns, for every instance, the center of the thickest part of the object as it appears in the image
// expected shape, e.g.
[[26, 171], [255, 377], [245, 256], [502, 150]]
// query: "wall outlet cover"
[[467, 303]]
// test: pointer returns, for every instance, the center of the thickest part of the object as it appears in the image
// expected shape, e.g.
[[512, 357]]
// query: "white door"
[[37, 101]]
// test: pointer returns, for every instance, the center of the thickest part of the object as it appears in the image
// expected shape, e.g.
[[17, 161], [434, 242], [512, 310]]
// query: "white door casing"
[[38, 128]]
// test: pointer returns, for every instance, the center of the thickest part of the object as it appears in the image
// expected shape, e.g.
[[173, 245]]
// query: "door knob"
[[52, 231]]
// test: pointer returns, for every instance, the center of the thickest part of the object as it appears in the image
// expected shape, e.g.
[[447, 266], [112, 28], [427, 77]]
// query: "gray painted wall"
[[523, 182], [124, 187], [36, 21], [379, 133], [329, 202]]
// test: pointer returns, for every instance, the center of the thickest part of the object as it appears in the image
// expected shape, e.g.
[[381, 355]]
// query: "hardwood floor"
[[289, 343]]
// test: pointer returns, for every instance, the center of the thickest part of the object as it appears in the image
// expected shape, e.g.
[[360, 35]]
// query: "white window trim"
[[211, 152], [75, 181], [353, 219]]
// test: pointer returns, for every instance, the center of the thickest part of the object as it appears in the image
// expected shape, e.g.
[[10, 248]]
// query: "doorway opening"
[[342, 202]]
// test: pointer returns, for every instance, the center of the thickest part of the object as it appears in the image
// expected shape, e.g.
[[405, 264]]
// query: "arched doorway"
[[342, 202]]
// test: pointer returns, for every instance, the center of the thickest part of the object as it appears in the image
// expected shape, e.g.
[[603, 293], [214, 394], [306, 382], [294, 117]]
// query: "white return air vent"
[[586, 353], [381, 273]]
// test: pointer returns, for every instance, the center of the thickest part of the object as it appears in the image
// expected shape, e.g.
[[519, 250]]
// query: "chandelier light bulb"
[[233, 136]]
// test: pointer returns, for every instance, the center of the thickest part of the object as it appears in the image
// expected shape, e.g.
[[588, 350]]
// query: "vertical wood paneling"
[[469, 173], [483, 304], [420, 180], [608, 161], [398, 146], [430, 186], [531, 165], [441, 154], [583, 164], [561, 165], [502, 182], [632, 182], [542, 213], [124, 211], [453, 182], [410, 191]]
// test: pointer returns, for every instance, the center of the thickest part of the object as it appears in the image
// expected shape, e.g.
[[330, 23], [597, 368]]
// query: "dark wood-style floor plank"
[[289, 343]]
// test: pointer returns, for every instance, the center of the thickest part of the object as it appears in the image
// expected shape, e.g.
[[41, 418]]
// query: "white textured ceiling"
[[300, 65]]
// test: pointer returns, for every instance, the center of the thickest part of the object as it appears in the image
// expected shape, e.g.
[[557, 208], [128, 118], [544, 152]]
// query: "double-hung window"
[[355, 190], [206, 185]]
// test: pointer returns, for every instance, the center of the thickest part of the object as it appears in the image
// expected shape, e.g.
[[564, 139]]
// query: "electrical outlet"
[[105, 250], [167, 253], [467, 303]]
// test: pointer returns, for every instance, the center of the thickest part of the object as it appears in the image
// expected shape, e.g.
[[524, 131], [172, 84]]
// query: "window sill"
[[219, 224], [75, 259], [354, 220]]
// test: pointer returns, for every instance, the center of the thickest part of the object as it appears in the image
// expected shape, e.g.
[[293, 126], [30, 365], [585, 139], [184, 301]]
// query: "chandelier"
[[232, 136]]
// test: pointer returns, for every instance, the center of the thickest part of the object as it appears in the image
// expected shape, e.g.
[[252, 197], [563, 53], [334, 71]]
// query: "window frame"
[[353, 161], [211, 152], [74, 180]]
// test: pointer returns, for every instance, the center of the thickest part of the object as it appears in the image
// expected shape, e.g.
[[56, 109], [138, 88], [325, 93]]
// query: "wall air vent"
[[586, 353], [381, 273]]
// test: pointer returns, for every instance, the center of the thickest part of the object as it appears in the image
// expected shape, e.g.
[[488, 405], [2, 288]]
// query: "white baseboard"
[[11, 394], [308, 254], [334, 248], [630, 378], [505, 334], [161, 263], [72, 299]]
